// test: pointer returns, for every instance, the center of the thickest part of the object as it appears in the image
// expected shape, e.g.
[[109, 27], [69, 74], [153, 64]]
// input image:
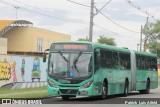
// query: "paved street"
[[115, 99]]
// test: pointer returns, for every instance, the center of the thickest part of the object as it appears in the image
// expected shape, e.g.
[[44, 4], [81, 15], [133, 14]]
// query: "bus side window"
[[153, 64], [147, 63], [138, 62], [97, 59], [124, 61], [109, 63], [102, 58], [143, 64], [115, 60]]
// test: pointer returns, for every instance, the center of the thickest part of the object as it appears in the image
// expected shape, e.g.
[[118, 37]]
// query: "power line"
[[99, 10], [48, 15], [105, 5], [29, 5], [112, 20], [117, 23], [79, 3], [104, 29], [150, 35], [139, 8], [147, 37], [89, 6], [45, 11], [107, 17]]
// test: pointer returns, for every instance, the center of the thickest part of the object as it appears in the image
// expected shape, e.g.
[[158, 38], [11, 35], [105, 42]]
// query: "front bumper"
[[72, 91]]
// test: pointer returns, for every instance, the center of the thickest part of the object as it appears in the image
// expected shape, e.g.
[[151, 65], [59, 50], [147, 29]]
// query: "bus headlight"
[[52, 84], [86, 85]]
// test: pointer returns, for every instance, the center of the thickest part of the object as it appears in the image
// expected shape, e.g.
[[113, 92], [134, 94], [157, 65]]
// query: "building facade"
[[31, 40], [3, 45]]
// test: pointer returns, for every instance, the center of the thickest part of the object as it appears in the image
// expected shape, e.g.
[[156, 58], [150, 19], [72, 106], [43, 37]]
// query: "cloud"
[[118, 10], [129, 43]]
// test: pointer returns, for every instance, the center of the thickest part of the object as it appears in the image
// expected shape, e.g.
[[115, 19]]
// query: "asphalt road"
[[114, 99]]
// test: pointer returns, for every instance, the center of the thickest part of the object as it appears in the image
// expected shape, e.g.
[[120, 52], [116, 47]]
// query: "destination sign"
[[71, 47]]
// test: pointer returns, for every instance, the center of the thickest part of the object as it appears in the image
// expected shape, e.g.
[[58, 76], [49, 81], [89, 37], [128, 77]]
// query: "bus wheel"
[[104, 91], [147, 90], [65, 97], [147, 87], [125, 89]]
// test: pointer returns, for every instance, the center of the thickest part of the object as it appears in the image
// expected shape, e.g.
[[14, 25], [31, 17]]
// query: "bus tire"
[[126, 89], [104, 91], [65, 97], [147, 90]]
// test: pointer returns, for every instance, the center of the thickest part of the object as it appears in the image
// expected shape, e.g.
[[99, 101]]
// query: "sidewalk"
[[22, 85]]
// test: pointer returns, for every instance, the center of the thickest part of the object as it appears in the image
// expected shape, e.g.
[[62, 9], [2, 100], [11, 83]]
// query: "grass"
[[27, 95], [7, 91], [40, 92]]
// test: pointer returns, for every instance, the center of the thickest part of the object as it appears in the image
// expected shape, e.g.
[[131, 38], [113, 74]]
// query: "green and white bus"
[[93, 69]]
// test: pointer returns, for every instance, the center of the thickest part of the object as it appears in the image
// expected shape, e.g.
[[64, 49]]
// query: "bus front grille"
[[68, 91], [68, 86]]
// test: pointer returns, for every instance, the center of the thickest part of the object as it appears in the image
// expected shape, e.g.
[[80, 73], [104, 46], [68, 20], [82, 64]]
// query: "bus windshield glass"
[[70, 64]]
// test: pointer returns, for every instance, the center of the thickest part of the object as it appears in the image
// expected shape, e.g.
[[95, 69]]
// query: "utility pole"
[[146, 36], [138, 46], [16, 7], [141, 39], [91, 21]]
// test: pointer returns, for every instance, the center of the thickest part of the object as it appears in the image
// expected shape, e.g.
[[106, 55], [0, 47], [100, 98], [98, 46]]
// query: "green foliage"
[[83, 39], [154, 47], [152, 31], [107, 41]]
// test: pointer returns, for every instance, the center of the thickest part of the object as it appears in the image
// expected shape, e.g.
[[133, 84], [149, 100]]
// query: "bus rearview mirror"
[[44, 55]]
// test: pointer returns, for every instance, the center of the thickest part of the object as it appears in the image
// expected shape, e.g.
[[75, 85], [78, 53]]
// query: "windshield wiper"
[[68, 62], [75, 61], [63, 56]]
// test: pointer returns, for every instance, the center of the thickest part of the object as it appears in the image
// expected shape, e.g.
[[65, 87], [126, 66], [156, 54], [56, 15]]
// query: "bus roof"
[[145, 53], [99, 45], [74, 42], [109, 47]]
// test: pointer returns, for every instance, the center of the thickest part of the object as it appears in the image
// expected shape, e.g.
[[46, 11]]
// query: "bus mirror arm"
[[44, 55]]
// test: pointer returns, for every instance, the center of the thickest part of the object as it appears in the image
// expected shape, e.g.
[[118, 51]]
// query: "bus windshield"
[[70, 65]]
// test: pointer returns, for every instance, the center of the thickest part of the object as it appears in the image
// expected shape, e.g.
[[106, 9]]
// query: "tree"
[[83, 39], [152, 32], [107, 41], [154, 47]]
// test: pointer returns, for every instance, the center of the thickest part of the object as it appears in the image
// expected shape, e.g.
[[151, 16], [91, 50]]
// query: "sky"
[[72, 19]]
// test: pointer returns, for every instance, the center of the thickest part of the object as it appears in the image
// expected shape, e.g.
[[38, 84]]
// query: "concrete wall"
[[3, 46], [24, 39], [11, 69], [5, 74]]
